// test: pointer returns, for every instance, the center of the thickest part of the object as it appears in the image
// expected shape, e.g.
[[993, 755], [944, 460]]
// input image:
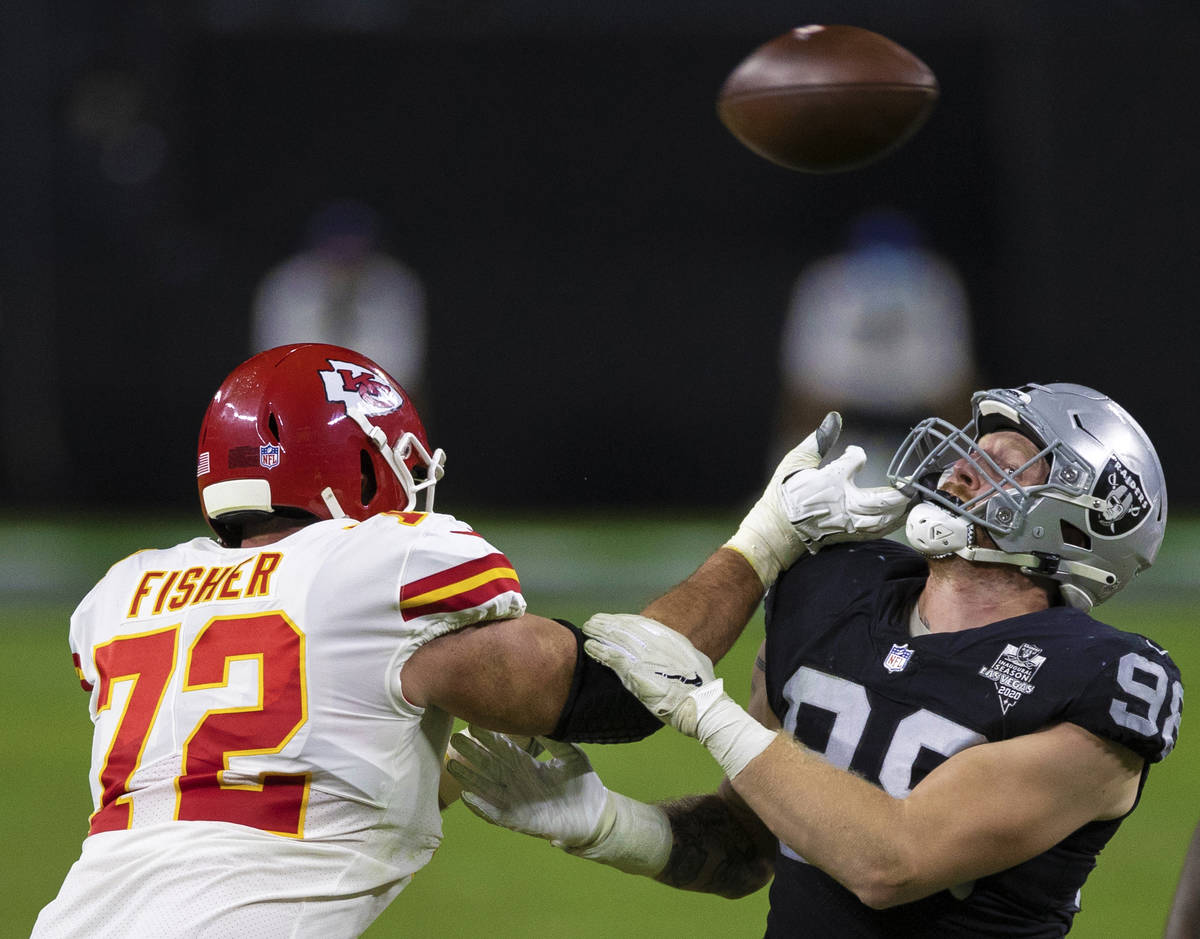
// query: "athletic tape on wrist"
[[757, 554], [732, 736], [632, 836]]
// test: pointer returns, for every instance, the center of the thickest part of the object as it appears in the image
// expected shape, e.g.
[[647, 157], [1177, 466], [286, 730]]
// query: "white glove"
[[676, 683], [560, 799], [806, 505]]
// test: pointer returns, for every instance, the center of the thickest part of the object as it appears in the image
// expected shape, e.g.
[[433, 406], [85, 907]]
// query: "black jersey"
[[845, 676]]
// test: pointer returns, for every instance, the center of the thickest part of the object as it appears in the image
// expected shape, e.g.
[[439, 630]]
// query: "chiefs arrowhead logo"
[[360, 388]]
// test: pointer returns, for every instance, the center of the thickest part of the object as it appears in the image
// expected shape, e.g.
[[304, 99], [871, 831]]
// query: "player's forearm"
[[713, 606], [839, 822], [713, 851]]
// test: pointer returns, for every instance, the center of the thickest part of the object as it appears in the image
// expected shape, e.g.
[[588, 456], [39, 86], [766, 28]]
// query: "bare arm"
[[713, 606], [985, 809], [719, 846], [709, 843], [511, 675], [514, 675], [1185, 910]]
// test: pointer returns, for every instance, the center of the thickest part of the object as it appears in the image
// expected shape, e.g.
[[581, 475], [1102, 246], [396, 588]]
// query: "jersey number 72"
[[276, 801]]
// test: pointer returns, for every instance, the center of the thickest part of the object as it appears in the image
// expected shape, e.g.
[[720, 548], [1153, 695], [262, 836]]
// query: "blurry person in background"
[[882, 329], [345, 290], [1184, 921]]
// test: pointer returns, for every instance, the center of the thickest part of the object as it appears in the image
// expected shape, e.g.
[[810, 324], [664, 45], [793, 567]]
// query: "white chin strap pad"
[[935, 532]]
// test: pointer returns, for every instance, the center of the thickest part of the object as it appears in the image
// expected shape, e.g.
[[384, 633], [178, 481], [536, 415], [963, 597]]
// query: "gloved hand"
[[560, 799], [676, 683], [806, 505]]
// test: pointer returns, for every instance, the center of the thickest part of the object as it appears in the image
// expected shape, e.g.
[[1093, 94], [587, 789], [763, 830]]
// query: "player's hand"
[[660, 667], [560, 799], [676, 683], [806, 505]]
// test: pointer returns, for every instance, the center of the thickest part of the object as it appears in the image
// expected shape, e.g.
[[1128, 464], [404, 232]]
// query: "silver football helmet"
[[1092, 526]]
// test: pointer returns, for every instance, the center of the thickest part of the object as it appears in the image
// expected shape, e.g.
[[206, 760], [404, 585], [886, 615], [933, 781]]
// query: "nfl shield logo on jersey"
[[897, 658], [268, 456]]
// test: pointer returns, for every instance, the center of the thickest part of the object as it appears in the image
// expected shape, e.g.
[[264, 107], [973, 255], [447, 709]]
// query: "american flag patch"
[[461, 587], [202, 466]]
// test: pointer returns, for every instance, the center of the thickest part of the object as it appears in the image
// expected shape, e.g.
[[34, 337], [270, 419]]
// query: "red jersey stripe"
[[83, 682], [460, 587]]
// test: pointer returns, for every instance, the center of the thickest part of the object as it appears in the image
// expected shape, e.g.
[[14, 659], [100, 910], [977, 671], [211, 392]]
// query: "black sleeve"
[[598, 708]]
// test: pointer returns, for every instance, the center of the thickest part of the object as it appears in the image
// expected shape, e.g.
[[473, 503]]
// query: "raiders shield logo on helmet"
[[1126, 504]]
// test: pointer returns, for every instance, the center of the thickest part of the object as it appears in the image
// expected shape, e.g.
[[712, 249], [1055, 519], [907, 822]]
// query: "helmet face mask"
[[311, 430], [1095, 521]]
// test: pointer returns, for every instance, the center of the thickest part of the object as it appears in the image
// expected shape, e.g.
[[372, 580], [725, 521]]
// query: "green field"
[[484, 881]]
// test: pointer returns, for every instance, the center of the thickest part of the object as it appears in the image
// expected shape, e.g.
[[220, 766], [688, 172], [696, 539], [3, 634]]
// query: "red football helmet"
[[311, 429]]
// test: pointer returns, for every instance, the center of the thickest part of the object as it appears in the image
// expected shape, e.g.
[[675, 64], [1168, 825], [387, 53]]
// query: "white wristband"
[[758, 554], [732, 736], [632, 836]]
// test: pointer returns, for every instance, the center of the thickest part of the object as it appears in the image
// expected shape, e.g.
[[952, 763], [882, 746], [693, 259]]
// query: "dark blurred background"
[[606, 268]]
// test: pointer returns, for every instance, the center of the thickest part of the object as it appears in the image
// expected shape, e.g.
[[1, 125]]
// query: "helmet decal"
[[1126, 504], [359, 388], [268, 456]]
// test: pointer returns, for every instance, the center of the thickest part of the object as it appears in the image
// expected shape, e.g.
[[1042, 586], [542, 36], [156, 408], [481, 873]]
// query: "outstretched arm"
[[950, 829], [708, 843], [713, 606], [520, 676], [804, 506]]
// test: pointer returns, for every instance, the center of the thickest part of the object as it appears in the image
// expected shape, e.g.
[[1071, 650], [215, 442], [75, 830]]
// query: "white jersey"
[[255, 767]]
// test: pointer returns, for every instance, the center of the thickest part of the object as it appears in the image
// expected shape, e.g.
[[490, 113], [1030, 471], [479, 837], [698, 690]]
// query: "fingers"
[[530, 745], [560, 750], [866, 501], [827, 434], [627, 629], [472, 754], [817, 445], [849, 463], [481, 807], [877, 500], [466, 777], [605, 653]]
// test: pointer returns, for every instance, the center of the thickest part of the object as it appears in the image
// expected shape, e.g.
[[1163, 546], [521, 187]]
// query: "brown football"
[[823, 99]]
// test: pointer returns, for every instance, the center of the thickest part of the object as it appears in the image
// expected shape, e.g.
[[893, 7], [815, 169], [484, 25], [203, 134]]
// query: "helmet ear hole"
[[273, 426], [1074, 536], [370, 485]]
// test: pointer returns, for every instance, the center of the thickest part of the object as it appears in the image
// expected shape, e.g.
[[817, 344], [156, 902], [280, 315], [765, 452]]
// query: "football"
[[825, 99]]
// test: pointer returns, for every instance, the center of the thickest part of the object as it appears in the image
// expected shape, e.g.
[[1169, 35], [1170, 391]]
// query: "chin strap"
[[331, 503]]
